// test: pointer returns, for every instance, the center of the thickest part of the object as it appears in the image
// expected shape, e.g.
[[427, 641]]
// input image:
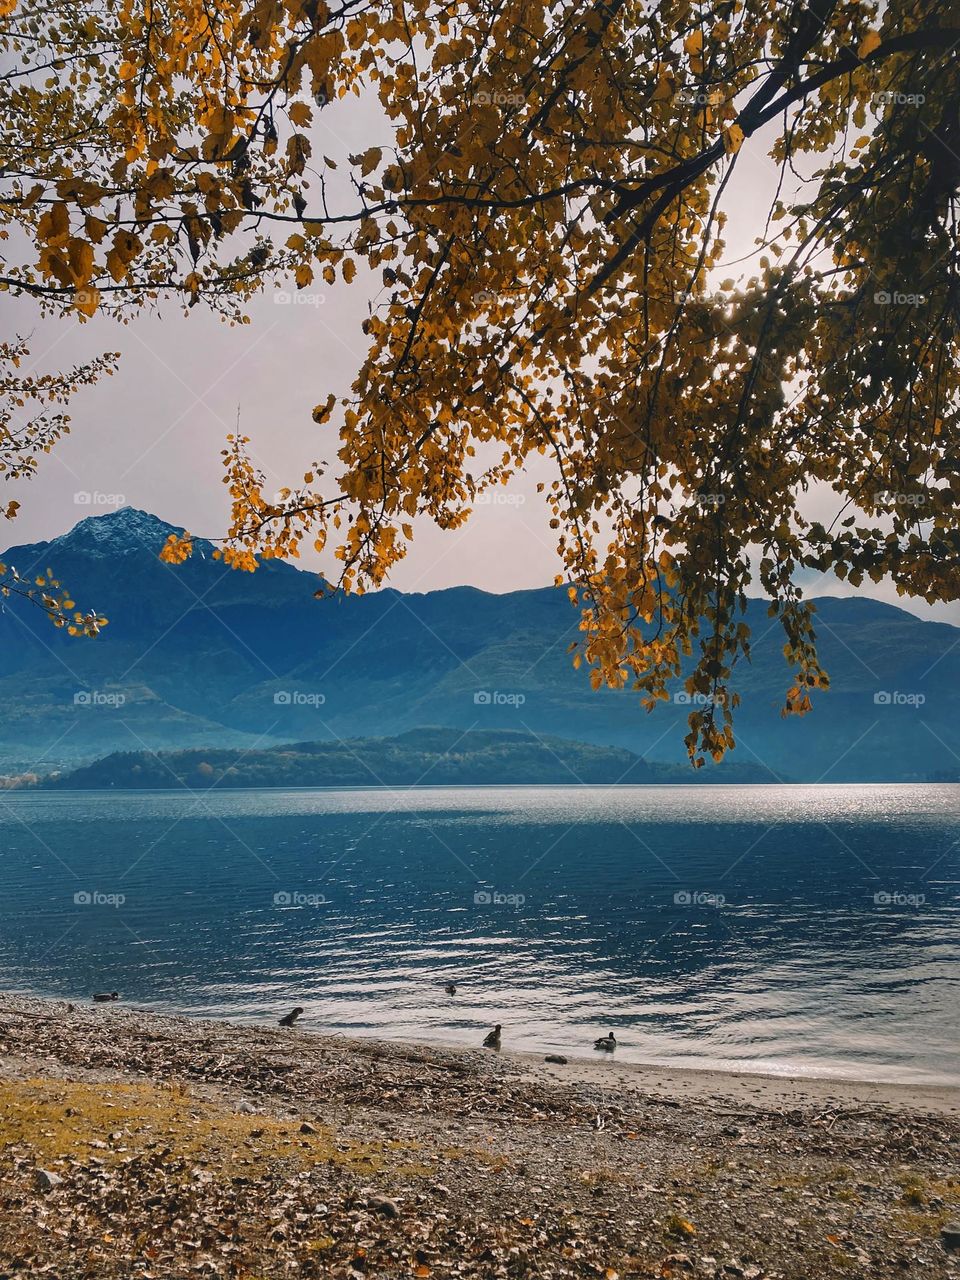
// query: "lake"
[[789, 929]]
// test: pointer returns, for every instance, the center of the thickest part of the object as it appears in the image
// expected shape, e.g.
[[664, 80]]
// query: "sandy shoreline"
[[778, 1088], [698, 1084], [152, 1146]]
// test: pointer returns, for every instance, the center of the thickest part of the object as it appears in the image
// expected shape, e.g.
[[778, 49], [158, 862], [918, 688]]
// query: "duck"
[[608, 1043], [104, 997], [450, 988], [492, 1039], [290, 1018]]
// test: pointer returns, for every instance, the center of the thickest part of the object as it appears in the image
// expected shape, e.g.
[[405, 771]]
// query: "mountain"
[[200, 656]]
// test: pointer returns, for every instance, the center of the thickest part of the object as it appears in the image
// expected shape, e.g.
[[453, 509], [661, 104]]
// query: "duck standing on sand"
[[290, 1018], [104, 997], [608, 1043], [492, 1039]]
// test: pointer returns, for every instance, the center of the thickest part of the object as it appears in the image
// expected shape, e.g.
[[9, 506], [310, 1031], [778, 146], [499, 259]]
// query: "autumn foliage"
[[33, 418], [542, 230]]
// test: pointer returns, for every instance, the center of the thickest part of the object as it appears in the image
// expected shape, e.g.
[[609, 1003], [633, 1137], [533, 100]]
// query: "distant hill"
[[420, 757], [198, 656]]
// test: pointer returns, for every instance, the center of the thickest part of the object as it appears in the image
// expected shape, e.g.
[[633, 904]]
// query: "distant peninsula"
[[419, 757]]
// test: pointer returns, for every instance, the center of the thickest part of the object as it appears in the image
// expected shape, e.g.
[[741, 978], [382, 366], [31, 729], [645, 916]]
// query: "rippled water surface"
[[794, 929]]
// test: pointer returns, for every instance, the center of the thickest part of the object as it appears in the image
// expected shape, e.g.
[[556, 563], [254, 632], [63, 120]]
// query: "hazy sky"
[[151, 436]]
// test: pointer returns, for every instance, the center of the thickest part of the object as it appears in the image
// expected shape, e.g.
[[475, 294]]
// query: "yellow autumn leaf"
[[177, 548], [80, 253], [54, 226], [321, 413], [733, 137], [116, 266], [869, 42], [52, 264], [694, 42], [369, 160], [349, 269], [300, 114], [444, 56]]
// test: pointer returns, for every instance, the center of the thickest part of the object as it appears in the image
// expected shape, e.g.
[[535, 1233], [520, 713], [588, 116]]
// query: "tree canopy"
[[32, 420], [543, 235]]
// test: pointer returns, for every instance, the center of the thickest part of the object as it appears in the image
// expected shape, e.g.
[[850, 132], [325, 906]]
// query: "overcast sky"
[[151, 435]]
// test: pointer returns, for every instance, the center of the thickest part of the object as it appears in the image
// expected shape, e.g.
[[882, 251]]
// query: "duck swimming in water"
[[290, 1018], [450, 988], [492, 1039], [103, 997], [608, 1043]]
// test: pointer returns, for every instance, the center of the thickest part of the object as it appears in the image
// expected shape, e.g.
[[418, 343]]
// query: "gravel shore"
[[134, 1145]]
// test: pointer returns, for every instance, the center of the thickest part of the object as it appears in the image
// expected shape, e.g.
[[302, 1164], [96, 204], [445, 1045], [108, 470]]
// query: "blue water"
[[799, 929]]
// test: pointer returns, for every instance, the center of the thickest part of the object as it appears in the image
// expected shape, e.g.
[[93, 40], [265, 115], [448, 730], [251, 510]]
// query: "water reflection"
[[788, 928]]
